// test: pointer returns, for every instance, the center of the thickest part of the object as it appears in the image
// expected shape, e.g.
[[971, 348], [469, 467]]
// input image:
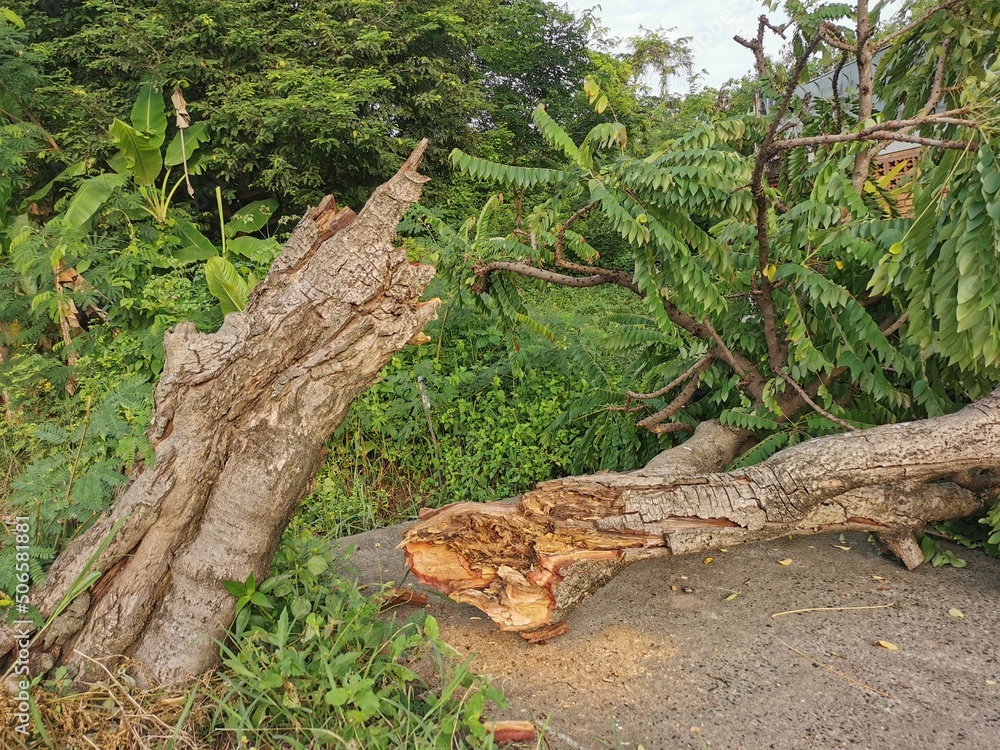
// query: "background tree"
[[301, 98]]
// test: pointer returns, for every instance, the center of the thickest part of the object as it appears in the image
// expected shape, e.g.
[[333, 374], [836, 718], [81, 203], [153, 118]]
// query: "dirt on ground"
[[697, 652]]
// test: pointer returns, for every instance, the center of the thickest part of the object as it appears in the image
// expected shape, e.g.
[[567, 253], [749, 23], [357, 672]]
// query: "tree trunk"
[[529, 564], [238, 430]]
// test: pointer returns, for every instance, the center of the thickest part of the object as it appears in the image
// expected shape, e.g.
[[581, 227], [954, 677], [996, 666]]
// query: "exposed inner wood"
[[529, 564]]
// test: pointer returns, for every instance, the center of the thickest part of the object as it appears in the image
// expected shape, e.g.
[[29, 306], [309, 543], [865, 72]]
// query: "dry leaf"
[[785, 562], [955, 612], [183, 118], [879, 578], [708, 560], [732, 596], [886, 645], [511, 731], [723, 549], [991, 682], [398, 596], [841, 546]]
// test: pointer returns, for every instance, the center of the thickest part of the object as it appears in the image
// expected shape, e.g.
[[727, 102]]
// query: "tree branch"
[[696, 367], [890, 37], [838, 105], [777, 346], [938, 84], [888, 130], [653, 422], [832, 36], [484, 270], [812, 404], [864, 55]]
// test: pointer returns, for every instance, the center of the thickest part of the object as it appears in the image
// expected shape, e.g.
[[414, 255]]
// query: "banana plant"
[[139, 151], [224, 280]]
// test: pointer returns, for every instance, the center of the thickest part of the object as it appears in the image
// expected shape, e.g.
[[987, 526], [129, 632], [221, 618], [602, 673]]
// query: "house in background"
[[893, 153]]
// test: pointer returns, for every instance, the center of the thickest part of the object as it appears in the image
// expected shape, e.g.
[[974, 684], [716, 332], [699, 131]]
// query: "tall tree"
[[301, 97]]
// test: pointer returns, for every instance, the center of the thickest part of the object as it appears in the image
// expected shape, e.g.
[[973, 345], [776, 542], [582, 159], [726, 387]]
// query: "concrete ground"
[[663, 657]]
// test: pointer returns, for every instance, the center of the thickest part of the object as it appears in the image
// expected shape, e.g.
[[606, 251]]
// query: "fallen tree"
[[527, 565], [238, 429], [796, 278]]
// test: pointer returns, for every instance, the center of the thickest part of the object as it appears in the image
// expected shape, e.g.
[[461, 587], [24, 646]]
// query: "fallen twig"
[[821, 665], [832, 609]]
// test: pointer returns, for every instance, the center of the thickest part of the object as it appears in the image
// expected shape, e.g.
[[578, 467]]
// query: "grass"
[[317, 663]]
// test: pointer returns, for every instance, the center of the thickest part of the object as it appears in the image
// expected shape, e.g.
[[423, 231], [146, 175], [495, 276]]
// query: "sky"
[[710, 23]]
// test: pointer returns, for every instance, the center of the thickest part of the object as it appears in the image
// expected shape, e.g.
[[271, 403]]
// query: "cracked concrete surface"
[[660, 658]]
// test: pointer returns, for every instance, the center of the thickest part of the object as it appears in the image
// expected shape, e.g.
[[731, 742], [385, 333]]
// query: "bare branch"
[[838, 105], [896, 324], [696, 367], [864, 55], [938, 83], [484, 270], [832, 36], [653, 423], [888, 130], [666, 427], [815, 407]]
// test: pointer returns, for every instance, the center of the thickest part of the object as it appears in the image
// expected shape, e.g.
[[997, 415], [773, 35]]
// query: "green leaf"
[[431, 628], [235, 588], [194, 136], [337, 696], [251, 217], [301, 606], [197, 246], [89, 197], [74, 170], [226, 285], [317, 564], [12, 17], [254, 248], [148, 116], [142, 155], [260, 600]]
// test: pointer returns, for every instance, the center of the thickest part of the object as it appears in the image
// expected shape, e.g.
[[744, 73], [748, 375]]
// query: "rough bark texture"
[[238, 429], [528, 565]]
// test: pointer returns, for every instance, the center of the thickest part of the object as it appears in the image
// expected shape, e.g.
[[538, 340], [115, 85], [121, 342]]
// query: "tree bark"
[[529, 564], [238, 429]]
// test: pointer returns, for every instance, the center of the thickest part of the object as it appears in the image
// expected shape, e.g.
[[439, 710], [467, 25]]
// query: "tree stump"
[[238, 430]]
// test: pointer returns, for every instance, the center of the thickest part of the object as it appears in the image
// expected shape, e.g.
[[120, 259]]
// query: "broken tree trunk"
[[238, 430], [529, 564]]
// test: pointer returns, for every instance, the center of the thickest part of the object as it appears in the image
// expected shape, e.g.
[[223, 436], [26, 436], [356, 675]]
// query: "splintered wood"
[[527, 565]]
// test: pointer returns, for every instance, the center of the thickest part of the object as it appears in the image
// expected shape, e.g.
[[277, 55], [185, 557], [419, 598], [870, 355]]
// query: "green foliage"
[[939, 556], [226, 284], [75, 470], [315, 660], [687, 214], [302, 99]]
